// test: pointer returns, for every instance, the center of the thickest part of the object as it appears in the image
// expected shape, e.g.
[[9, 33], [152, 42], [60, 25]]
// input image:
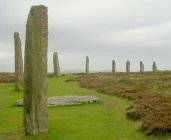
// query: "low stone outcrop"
[[67, 100]]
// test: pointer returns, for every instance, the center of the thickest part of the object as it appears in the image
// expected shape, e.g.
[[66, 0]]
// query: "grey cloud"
[[102, 29]]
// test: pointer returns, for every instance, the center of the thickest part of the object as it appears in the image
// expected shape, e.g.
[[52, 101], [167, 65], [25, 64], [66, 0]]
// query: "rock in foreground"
[[66, 100]]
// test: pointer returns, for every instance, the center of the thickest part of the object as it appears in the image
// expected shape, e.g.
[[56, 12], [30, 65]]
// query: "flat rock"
[[66, 100]]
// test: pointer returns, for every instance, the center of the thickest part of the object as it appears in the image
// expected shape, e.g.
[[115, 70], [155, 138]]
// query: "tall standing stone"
[[17, 43], [87, 65], [141, 66], [113, 66], [21, 67], [154, 66], [35, 71], [56, 64], [128, 66]]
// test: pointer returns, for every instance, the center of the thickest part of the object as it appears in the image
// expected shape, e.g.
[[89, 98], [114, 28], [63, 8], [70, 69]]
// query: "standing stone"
[[141, 66], [87, 65], [154, 66], [17, 43], [35, 71], [21, 67], [56, 64], [113, 66], [128, 66]]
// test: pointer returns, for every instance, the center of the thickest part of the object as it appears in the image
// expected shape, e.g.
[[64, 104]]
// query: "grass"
[[105, 121]]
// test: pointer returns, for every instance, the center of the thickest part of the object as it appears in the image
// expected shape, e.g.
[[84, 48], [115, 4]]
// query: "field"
[[104, 121], [151, 93]]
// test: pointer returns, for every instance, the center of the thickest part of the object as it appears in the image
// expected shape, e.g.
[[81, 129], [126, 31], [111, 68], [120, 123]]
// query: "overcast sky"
[[135, 30]]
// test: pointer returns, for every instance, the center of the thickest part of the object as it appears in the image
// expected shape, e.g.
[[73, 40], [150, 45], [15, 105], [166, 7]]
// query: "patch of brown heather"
[[7, 78], [149, 91]]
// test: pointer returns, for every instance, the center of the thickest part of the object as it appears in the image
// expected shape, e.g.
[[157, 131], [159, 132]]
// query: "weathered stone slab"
[[17, 43], [56, 64], [87, 65], [66, 100], [154, 66], [35, 115], [127, 66], [113, 66], [141, 66]]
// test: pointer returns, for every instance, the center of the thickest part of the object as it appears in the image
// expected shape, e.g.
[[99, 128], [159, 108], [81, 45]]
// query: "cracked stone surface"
[[66, 100]]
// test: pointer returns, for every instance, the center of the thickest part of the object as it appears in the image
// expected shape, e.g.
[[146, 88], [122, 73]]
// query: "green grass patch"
[[104, 121]]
